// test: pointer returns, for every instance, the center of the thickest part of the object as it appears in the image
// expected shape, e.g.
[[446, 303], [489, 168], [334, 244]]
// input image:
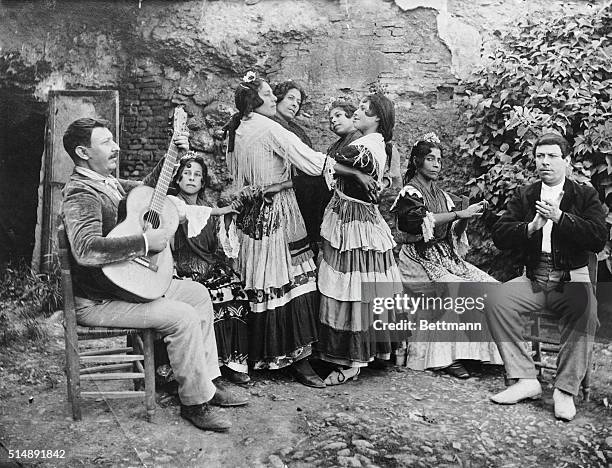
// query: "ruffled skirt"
[[277, 267], [357, 267], [440, 264]]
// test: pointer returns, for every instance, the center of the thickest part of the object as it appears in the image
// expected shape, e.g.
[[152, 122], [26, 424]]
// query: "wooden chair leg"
[[586, 382], [74, 385], [536, 330], [72, 372], [149, 370], [136, 343]]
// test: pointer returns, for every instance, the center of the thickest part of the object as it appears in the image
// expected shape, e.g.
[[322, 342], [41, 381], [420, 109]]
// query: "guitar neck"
[[165, 177]]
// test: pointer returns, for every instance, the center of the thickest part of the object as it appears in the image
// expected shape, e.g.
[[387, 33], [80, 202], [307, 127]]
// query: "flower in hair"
[[249, 77], [189, 155], [327, 107], [431, 138], [332, 100]]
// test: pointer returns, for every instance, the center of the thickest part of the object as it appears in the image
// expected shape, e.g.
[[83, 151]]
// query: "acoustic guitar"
[[148, 277]]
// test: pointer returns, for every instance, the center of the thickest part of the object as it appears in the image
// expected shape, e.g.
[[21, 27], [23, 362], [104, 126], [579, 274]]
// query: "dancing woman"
[[340, 117], [358, 264], [275, 260], [290, 97]]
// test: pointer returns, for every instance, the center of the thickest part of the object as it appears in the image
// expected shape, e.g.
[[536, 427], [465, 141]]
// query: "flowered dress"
[[433, 253], [275, 261], [357, 265], [200, 258]]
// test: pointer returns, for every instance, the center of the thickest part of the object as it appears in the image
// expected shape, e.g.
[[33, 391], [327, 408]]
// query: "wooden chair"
[[127, 360], [544, 336]]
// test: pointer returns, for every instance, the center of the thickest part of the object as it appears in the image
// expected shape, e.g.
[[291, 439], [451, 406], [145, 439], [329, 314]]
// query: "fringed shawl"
[[341, 143], [265, 151], [371, 146], [415, 206], [295, 129]]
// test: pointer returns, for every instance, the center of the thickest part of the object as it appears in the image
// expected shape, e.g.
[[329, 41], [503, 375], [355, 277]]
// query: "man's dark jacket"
[[580, 230]]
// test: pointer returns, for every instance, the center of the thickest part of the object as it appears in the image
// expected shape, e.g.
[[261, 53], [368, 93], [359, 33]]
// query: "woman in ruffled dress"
[[358, 264], [340, 115], [434, 242], [275, 260]]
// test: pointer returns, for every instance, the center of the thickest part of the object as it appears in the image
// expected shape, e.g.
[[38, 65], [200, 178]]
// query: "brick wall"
[[144, 121]]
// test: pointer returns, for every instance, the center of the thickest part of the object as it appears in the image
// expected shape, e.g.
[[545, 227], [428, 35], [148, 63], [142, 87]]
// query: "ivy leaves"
[[553, 75]]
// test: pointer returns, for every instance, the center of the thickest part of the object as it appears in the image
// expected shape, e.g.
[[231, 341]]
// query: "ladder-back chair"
[[133, 363]]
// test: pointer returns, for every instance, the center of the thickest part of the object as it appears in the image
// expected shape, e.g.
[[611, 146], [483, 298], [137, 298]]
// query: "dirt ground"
[[386, 418]]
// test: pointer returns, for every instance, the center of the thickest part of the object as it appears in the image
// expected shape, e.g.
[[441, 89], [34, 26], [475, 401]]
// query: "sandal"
[[456, 369], [340, 376]]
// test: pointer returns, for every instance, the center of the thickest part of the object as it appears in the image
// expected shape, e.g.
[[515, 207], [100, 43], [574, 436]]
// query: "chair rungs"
[[546, 316], [112, 358], [539, 339], [113, 376], [99, 352], [545, 366], [107, 367], [113, 395], [87, 334]]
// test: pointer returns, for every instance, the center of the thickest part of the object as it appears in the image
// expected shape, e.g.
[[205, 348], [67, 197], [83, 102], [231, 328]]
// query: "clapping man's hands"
[[549, 209], [545, 210]]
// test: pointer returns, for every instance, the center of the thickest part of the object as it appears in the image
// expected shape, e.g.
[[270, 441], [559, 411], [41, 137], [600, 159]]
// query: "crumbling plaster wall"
[[194, 53], [415, 50]]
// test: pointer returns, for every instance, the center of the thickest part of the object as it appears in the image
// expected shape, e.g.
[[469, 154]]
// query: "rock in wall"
[[195, 52]]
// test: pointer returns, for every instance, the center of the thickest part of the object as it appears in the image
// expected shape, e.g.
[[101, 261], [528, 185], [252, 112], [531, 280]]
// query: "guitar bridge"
[[147, 263]]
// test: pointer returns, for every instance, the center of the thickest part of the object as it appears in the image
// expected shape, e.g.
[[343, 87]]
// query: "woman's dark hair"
[[553, 139], [348, 108], [383, 108], [79, 132], [281, 90], [247, 100], [185, 162], [417, 156]]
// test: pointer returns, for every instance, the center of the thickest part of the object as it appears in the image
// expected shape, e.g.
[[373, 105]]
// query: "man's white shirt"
[[549, 194]]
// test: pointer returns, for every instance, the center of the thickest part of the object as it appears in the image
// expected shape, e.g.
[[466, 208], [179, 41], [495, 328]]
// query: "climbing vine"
[[549, 75]]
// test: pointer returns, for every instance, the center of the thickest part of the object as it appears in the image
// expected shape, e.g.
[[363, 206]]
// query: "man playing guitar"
[[184, 315]]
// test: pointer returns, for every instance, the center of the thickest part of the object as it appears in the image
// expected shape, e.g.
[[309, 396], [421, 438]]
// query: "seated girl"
[[433, 243], [197, 255]]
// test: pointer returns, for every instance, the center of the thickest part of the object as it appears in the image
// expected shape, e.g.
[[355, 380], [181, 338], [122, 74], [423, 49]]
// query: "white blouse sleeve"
[[288, 146], [197, 218]]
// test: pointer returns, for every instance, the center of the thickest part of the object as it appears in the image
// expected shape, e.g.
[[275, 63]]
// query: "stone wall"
[[194, 53]]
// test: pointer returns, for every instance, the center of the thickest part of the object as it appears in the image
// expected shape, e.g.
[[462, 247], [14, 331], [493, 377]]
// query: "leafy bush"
[[550, 75]]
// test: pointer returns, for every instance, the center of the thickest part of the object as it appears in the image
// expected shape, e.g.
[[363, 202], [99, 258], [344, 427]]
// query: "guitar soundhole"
[[151, 218]]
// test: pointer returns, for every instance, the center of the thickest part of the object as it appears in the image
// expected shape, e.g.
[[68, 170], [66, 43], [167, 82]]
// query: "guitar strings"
[[151, 213]]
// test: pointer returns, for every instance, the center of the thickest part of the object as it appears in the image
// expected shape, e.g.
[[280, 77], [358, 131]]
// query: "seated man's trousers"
[[511, 305], [184, 316]]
